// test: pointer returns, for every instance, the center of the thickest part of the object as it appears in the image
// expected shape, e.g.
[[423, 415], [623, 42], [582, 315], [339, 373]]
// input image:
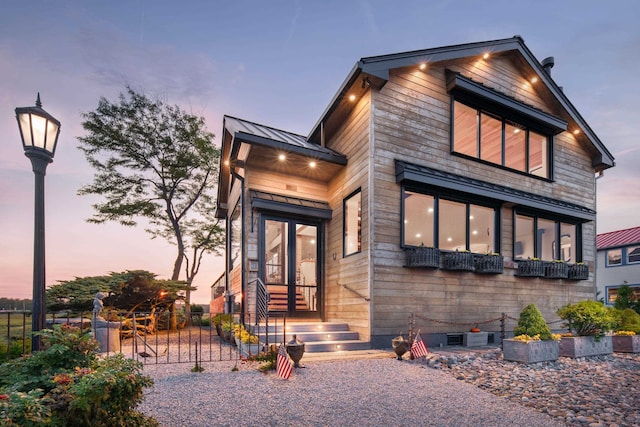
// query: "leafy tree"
[[129, 290], [626, 298], [157, 162]]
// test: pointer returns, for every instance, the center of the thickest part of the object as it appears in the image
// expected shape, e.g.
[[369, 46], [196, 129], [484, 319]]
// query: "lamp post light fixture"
[[39, 131]]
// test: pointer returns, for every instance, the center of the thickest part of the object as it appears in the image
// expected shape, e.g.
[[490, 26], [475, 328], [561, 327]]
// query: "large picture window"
[[546, 239], [352, 223], [436, 221], [494, 139]]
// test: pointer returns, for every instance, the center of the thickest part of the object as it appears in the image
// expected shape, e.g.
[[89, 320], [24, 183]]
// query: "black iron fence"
[[150, 337]]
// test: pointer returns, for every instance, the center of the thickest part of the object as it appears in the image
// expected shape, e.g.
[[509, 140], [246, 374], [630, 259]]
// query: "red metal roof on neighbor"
[[612, 239]]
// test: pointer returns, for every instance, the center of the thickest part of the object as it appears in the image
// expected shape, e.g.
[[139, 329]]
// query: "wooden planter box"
[[423, 257], [578, 272], [585, 346], [530, 352], [489, 264], [530, 268], [458, 261], [626, 344], [556, 270]]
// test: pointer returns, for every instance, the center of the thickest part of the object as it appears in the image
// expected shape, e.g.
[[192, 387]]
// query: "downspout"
[[242, 239]]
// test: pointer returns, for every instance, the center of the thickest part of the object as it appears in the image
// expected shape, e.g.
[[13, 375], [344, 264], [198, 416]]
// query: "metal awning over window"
[[408, 172], [290, 205]]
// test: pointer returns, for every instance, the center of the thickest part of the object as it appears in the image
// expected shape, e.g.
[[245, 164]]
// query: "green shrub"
[[627, 320], [587, 318], [220, 318], [66, 384], [532, 323], [15, 349]]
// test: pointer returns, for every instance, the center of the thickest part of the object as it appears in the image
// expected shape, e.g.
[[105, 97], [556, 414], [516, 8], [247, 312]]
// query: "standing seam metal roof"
[[618, 238]]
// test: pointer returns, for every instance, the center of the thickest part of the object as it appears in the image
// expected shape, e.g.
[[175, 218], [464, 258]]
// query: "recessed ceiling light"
[[534, 80], [352, 98], [282, 157], [577, 131], [312, 164], [485, 56], [423, 66]]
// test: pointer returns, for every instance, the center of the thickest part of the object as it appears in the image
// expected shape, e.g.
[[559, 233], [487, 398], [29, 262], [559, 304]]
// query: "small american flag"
[[418, 349], [283, 364]]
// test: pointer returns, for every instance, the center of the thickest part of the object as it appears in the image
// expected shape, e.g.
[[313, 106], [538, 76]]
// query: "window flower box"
[[556, 270], [489, 264], [423, 257], [578, 272], [461, 261], [530, 268]]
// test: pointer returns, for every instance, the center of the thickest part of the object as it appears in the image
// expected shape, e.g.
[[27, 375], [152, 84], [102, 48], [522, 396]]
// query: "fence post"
[[503, 329]]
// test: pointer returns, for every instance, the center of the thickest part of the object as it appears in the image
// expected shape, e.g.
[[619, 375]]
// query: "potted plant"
[[625, 338], [533, 341], [423, 256], [532, 267], [578, 271], [556, 269], [458, 260], [588, 322], [492, 263]]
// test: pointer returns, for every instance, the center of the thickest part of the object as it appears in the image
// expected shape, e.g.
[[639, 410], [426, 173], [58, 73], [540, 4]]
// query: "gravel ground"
[[377, 391]]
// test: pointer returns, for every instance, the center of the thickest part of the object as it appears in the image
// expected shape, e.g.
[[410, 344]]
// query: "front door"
[[289, 261]]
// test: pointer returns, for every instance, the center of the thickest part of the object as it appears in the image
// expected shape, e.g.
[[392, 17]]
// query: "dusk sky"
[[277, 63]]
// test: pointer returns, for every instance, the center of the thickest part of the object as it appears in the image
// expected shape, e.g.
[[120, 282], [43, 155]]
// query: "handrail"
[[355, 292], [262, 300]]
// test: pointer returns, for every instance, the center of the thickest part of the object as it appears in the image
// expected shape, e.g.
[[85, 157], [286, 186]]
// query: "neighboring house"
[[470, 149], [618, 262]]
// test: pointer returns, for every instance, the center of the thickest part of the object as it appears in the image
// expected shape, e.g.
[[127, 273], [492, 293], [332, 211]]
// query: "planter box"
[[489, 264], [423, 257], [556, 270], [626, 344], [475, 339], [247, 349], [578, 272], [530, 268], [457, 261], [530, 352], [585, 346]]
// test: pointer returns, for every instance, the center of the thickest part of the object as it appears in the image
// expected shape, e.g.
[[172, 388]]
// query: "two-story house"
[[618, 262], [455, 183]]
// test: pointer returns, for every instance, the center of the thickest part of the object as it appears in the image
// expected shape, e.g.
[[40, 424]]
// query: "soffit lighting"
[[423, 66], [282, 157], [312, 164], [534, 80], [352, 98], [485, 56]]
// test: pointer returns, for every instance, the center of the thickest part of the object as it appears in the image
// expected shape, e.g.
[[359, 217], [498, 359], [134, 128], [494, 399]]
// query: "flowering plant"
[[624, 333]]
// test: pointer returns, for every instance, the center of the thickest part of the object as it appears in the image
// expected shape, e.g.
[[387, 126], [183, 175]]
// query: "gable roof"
[[629, 236], [374, 70]]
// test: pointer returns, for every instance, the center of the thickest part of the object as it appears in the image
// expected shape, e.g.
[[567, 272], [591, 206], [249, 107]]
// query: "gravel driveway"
[[378, 391]]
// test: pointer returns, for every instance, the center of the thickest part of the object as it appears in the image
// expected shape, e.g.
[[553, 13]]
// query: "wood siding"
[[351, 139], [411, 122]]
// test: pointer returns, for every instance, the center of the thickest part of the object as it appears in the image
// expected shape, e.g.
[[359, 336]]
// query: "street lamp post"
[[39, 131]]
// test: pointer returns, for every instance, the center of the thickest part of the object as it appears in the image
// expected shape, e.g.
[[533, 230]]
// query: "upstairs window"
[[494, 139], [614, 257], [633, 254]]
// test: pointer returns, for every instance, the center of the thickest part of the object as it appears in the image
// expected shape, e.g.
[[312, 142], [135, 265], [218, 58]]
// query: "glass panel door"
[[290, 266], [306, 268]]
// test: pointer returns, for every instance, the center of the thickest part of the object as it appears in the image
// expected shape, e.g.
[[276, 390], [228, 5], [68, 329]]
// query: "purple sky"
[[277, 63]]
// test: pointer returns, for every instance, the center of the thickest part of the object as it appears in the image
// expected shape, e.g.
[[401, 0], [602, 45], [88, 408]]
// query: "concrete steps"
[[317, 336]]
